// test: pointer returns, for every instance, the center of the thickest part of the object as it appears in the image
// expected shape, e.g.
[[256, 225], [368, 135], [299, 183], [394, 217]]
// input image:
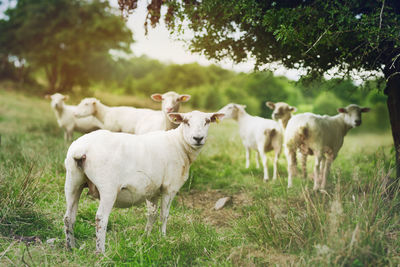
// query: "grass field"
[[356, 224]]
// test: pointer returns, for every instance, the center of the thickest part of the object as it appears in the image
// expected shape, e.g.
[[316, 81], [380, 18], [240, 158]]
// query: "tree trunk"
[[392, 90], [52, 78]]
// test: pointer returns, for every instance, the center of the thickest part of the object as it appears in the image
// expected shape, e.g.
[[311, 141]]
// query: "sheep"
[[257, 133], [321, 136], [127, 169], [170, 102], [133, 120], [282, 112], [66, 119]]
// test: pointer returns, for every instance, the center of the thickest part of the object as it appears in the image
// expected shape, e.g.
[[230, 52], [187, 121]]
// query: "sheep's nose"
[[169, 110], [358, 122], [197, 139]]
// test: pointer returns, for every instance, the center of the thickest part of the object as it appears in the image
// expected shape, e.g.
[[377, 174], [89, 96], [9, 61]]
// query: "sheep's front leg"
[[290, 154], [317, 168], [65, 136], [247, 157], [151, 214], [326, 170], [166, 200], [257, 159], [107, 200]]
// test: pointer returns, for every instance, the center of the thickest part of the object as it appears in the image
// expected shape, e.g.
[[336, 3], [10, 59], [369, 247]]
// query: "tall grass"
[[357, 224]]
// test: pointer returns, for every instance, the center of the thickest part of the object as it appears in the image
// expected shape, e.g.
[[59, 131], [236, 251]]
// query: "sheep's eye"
[[207, 121], [185, 121]]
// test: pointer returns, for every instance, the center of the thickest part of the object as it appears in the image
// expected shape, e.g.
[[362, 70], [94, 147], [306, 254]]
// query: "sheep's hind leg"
[[304, 164], [264, 162], [276, 158], [107, 199], [74, 184]]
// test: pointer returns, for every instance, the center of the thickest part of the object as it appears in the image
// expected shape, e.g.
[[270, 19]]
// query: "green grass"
[[356, 224]]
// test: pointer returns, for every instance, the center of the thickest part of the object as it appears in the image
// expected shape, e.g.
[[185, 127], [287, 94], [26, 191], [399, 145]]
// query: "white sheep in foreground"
[[128, 169], [67, 120], [321, 136], [257, 133], [130, 119]]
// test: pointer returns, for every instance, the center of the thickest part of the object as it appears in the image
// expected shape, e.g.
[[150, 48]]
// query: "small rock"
[[222, 202], [51, 241]]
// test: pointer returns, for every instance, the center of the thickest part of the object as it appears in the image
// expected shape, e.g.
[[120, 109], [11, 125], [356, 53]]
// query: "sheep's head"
[[231, 110], [87, 107], [57, 100], [352, 114], [195, 125], [170, 101], [281, 110]]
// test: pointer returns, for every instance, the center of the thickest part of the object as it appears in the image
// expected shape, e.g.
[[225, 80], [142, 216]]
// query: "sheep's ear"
[[342, 110], [365, 109], [184, 98], [156, 97], [292, 109], [243, 106], [47, 96], [271, 105], [176, 118], [216, 117], [65, 97]]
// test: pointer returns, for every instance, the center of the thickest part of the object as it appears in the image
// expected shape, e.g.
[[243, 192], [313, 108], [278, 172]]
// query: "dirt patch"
[[204, 202]]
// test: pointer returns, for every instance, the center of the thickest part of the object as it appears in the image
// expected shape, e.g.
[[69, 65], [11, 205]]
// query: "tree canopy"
[[69, 39], [318, 35]]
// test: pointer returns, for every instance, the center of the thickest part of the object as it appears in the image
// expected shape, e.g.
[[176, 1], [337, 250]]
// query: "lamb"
[[66, 119], [128, 169], [257, 133], [133, 120], [321, 136]]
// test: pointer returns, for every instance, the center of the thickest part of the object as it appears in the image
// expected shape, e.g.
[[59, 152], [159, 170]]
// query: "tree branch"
[[380, 21], [319, 38]]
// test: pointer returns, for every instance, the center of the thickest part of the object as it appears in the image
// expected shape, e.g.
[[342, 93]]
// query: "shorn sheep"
[[133, 120], [321, 136], [67, 120], [257, 133], [126, 169]]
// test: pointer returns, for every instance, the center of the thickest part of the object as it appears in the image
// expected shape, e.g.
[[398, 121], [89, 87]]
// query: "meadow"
[[356, 224]]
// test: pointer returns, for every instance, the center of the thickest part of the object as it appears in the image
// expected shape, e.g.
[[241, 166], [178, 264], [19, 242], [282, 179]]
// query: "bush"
[[327, 103]]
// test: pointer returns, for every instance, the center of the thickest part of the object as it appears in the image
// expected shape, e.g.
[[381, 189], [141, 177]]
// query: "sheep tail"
[[80, 160]]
